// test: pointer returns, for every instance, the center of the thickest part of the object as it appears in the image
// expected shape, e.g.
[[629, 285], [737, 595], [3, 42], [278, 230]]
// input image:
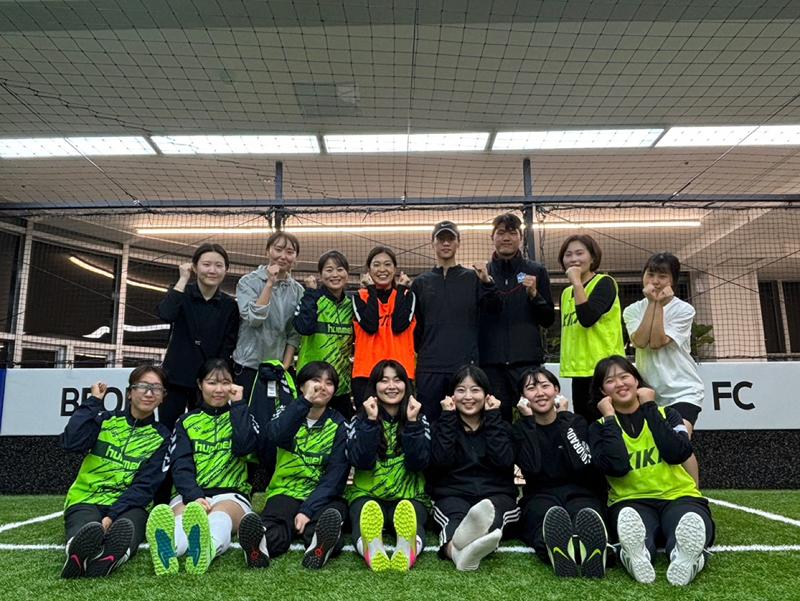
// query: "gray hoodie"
[[265, 331]]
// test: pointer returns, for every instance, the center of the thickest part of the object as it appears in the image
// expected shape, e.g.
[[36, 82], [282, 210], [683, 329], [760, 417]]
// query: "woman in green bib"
[[591, 319], [653, 500]]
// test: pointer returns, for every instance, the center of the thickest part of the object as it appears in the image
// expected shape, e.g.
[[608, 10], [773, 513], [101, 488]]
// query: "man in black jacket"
[[449, 301], [511, 342]]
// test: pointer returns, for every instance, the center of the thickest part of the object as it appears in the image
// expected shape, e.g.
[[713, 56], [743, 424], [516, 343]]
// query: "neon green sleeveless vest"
[[650, 477], [582, 348]]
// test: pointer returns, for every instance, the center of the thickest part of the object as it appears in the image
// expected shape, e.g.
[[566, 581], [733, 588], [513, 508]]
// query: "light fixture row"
[[107, 274], [383, 229], [593, 139]]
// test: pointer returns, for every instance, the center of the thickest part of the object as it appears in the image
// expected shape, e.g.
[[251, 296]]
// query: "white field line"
[[758, 512], [41, 518]]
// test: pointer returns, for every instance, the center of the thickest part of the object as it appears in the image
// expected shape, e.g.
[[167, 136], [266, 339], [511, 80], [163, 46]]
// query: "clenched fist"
[[413, 409], [448, 404]]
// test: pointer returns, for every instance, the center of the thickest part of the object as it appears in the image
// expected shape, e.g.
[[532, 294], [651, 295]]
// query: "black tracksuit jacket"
[[513, 336], [448, 317], [475, 464]]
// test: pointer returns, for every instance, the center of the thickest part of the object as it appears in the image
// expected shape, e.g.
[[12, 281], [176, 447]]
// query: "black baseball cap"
[[445, 226]]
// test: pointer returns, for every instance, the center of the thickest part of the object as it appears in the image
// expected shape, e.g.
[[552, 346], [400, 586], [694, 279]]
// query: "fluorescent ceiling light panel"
[[567, 140], [111, 146], [237, 144], [376, 229], [705, 136], [358, 144], [774, 135], [71, 147], [108, 274], [600, 225], [26, 148]]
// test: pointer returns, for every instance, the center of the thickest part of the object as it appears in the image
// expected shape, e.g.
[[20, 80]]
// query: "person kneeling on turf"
[[105, 511], [209, 469], [305, 493], [640, 447], [561, 497]]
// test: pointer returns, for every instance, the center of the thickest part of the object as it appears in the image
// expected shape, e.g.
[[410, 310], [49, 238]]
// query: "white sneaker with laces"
[[687, 558], [634, 554]]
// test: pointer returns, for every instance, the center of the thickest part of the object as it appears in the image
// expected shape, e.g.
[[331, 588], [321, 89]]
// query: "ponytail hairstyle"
[[375, 376]]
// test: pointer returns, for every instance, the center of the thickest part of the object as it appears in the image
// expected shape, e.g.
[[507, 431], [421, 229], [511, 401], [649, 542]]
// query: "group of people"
[[411, 386]]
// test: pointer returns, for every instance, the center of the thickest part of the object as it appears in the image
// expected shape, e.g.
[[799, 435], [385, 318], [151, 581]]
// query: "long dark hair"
[[212, 366], [375, 376], [479, 377], [604, 366]]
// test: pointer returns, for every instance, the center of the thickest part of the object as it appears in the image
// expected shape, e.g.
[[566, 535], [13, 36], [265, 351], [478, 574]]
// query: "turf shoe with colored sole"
[[557, 532], [371, 522], [405, 525], [326, 536], [198, 533], [161, 536], [476, 524], [116, 549], [253, 541], [687, 558], [593, 541], [633, 553], [83, 547]]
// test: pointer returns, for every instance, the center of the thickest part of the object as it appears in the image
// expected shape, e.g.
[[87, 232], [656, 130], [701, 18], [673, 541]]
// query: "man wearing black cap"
[[511, 342], [450, 299]]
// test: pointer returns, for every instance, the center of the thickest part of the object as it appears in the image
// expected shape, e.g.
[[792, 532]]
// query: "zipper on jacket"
[[130, 435]]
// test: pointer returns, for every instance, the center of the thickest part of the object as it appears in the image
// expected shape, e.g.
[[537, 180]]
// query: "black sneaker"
[[326, 535], [253, 541], [593, 541], [85, 545], [116, 549], [557, 532]]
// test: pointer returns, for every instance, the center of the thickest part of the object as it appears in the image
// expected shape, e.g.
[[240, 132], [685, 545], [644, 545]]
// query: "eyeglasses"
[[145, 388]]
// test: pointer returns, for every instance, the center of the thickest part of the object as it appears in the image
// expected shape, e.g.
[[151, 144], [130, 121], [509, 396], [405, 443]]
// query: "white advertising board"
[[39, 402], [739, 396]]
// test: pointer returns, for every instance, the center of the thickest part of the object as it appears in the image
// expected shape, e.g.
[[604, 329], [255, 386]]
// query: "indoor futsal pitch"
[[756, 556]]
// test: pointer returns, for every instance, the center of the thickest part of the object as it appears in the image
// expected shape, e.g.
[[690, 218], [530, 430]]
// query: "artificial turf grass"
[[501, 576], [734, 527], [505, 576]]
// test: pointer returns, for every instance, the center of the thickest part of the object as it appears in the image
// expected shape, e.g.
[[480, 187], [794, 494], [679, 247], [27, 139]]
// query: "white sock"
[[220, 524], [469, 558], [420, 548], [475, 524], [360, 546], [181, 542]]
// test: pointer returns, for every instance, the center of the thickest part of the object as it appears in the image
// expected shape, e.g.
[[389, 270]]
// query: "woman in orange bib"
[[384, 320]]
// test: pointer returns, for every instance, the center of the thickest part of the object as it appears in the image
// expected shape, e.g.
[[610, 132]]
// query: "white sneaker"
[[634, 554], [687, 559]]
